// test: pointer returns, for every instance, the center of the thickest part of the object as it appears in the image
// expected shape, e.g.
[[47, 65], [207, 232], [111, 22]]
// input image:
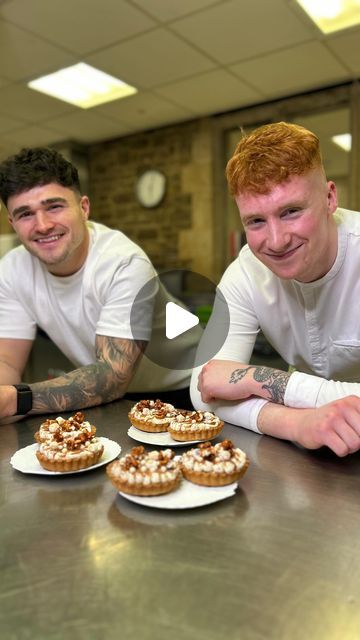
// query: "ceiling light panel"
[[83, 86], [343, 140], [332, 15]]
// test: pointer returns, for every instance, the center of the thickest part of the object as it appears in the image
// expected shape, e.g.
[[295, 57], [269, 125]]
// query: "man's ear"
[[85, 207], [332, 198]]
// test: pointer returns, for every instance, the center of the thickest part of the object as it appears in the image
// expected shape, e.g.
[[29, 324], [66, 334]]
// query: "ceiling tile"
[[239, 30], [81, 25], [24, 56], [29, 105], [151, 59], [217, 88], [33, 136], [7, 123], [145, 111], [165, 11], [6, 150], [176, 53], [86, 126], [4, 82], [282, 72], [347, 48]]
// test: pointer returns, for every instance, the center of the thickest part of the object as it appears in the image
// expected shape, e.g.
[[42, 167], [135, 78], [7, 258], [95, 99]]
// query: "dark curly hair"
[[36, 166]]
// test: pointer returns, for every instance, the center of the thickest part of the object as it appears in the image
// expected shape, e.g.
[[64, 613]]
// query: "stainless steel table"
[[279, 560]]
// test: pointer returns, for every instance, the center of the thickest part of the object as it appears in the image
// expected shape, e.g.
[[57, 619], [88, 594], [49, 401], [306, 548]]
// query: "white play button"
[[178, 320], [171, 320]]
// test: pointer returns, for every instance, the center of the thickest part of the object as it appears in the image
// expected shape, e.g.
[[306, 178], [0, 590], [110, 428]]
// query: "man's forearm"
[[264, 382], [8, 373], [105, 380], [279, 421], [84, 387]]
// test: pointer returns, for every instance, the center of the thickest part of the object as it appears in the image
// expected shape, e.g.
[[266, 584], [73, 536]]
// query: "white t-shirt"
[[314, 326], [98, 299]]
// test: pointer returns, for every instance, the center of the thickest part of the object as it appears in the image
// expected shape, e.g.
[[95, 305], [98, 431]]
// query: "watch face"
[[150, 188]]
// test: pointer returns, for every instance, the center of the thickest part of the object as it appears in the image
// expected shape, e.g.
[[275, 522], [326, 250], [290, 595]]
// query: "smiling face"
[[291, 229], [50, 221]]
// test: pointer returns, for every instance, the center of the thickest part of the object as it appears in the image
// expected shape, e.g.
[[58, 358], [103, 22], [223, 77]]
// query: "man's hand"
[[229, 380], [335, 425]]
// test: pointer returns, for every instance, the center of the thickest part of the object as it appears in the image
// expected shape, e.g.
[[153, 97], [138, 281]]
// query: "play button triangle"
[[178, 320]]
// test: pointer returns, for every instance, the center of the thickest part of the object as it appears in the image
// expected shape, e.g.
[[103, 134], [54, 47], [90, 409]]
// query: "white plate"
[[25, 460], [163, 438], [187, 496]]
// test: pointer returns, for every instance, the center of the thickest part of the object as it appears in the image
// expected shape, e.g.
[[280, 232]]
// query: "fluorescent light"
[[343, 140], [82, 85], [332, 15]]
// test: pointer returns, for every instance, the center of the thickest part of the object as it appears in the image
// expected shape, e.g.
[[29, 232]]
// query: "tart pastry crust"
[[68, 444], [145, 474], [214, 465], [152, 415], [195, 425]]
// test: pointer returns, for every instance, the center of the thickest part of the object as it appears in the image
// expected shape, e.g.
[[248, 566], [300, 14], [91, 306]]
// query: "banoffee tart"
[[68, 444], [145, 474], [152, 415], [194, 425], [214, 465]]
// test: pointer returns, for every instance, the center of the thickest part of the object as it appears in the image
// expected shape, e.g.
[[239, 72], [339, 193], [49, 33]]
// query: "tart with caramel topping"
[[195, 425], [145, 474], [68, 444], [152, 415], [214, 465]]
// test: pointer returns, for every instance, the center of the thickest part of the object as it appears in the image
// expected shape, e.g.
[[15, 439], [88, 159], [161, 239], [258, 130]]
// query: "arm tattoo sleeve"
[[273, 381], [105, 380]]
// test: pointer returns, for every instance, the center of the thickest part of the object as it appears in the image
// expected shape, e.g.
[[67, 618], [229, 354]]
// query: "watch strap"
[[24, 399]]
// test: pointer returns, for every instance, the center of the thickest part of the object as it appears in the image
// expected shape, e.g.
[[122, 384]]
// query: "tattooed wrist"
[[273, 382], [238, 374]]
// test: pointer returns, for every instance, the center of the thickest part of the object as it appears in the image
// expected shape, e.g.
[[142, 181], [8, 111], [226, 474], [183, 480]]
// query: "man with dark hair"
[[34, 167], [297, 279], [77, 280]]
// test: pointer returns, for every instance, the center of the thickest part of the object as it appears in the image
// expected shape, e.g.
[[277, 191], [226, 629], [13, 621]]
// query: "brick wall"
[[179, 232]]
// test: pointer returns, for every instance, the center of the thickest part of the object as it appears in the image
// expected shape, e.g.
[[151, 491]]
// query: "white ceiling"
[[188, 58]]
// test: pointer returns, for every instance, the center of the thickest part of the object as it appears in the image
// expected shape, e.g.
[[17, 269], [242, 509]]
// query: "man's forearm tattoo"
[[272, 380], [94, 384], [238, 374]]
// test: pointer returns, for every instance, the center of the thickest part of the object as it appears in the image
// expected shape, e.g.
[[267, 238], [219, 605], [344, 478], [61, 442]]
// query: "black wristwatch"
[[24, 399]]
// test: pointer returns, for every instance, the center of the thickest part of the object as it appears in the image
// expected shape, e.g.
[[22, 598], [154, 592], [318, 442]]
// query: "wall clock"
[[150, 188]]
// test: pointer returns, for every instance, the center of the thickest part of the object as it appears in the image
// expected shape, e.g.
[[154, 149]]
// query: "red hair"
[[271, 154]]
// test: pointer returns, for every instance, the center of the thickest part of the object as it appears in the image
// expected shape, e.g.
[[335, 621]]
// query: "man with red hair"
[[296, 279]]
